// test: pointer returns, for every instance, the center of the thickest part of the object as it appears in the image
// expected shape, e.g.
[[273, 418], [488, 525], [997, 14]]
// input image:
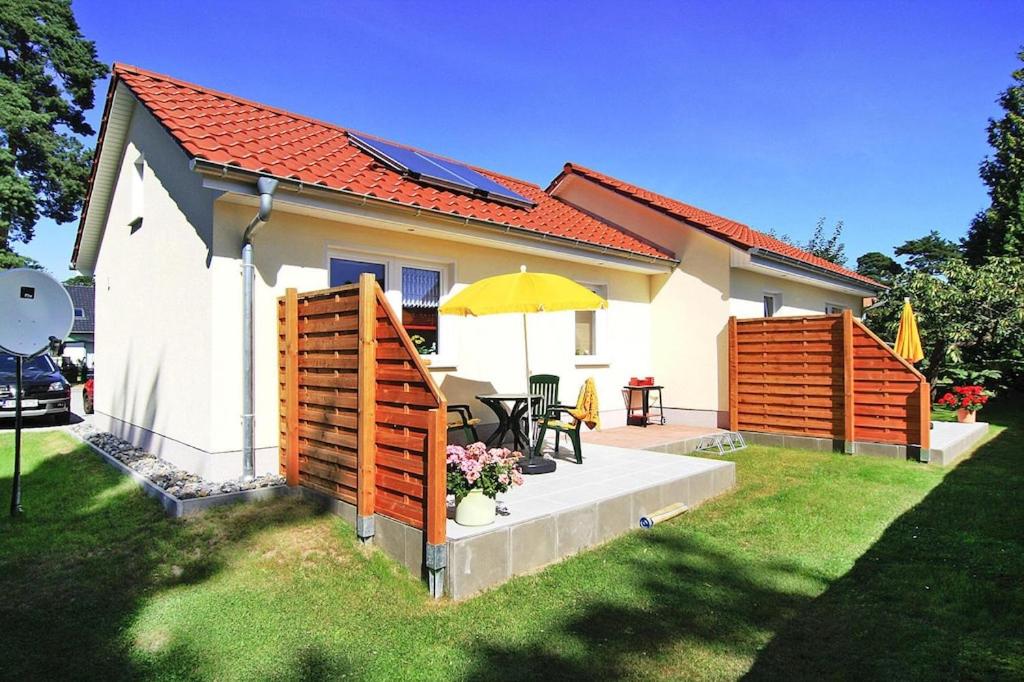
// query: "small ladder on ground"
[[722, 442]]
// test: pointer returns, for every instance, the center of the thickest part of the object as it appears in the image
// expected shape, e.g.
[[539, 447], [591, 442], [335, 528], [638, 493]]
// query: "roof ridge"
[[122, 67], [589, 171], [774, 244]]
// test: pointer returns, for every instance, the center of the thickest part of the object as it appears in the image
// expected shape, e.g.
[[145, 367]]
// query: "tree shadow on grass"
[[692, 594], [939, 596], [90, 550]]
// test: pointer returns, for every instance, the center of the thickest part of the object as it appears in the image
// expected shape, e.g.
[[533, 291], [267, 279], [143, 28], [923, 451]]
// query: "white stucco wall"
[[690, 306], [292, 251], [153, 323], [748, 289]]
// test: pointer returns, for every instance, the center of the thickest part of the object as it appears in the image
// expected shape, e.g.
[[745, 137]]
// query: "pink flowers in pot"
[[473, 467]]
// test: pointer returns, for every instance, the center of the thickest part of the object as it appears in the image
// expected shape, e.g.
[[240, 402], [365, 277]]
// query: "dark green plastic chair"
[[546, 386], [552, 420], [461, 419]]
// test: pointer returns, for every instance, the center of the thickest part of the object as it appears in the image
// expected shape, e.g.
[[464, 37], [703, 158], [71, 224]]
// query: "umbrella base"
[[537, 465]]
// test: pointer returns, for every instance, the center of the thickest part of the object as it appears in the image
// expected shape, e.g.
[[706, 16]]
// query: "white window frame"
[[447, 326], [138, 191], [601, 332], [79, 310], [834, 308], [776, 302]]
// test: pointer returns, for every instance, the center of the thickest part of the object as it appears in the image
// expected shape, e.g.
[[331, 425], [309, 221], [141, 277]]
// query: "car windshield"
[[40, 363]]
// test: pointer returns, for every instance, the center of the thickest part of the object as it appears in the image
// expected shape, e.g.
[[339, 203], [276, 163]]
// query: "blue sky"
[[771, 113]]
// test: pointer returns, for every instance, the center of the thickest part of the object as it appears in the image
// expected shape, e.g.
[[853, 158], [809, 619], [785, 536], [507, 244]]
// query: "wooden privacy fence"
[[824, 377], [362, 420]]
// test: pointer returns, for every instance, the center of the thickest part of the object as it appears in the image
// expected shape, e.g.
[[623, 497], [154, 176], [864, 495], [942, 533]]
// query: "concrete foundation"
[[574, 508]]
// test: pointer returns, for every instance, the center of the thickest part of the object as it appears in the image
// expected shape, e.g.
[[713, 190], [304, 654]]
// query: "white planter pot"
[[475, 509]]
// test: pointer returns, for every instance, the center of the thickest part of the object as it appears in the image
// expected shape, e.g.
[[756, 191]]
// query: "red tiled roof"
[[225, 129], [735, 232]]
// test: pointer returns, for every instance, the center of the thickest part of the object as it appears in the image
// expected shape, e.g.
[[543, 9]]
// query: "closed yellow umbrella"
[[523, 292], [908, 340]]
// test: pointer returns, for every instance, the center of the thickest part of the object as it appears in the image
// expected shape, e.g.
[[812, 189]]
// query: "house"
[[80, 344], [173, 189]]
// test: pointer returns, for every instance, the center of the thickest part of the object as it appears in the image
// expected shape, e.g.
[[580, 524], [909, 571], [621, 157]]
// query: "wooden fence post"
[[849, 387], [366, 485], [734, 385], [925, 418], [291, 380], [436, 472]]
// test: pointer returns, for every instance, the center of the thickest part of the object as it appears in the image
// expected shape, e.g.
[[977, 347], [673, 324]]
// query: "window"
[[421, 297], [138, 191], [771, 304], [589, 329], [344, 271], [833, 309], [79, 313], [414, 289]]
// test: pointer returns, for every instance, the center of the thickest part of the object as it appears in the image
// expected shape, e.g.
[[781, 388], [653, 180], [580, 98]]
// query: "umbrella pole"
[[529, 405], [533, 465]]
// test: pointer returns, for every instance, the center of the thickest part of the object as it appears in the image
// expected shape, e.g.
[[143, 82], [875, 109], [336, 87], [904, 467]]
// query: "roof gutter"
[[817, 270], [226, 172]]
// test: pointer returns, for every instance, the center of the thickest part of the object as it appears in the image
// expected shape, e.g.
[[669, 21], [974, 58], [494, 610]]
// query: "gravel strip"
[[177, 482]]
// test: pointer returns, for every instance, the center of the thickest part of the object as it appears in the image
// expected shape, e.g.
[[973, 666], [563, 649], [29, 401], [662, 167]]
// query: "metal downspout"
[[266, 188]]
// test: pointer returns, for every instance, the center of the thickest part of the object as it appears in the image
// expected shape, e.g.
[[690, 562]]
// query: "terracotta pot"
[[966, 416], [475, 509]]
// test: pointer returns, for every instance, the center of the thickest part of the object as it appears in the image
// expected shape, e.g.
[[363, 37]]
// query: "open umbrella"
[[908, 340], [523, 292]]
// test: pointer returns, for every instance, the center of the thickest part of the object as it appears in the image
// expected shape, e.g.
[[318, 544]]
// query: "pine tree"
[[47, 73], [999, 229], [878, 266]]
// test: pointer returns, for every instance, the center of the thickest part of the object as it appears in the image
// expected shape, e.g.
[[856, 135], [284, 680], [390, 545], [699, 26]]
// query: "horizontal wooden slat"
[[415, 441], [335, 437], [403, 484], [336, 323], [342, 457], [396, 460], [411, 397], [338, 304], [347, 419], [340, 398], [332, 361], [346, 342], [329, 379]]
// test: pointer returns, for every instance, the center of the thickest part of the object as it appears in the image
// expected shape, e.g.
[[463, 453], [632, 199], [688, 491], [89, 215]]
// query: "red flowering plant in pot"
[[476, 475], [966, 400]]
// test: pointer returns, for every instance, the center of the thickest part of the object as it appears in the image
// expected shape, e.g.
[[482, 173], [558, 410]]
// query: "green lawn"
[[817, 566]]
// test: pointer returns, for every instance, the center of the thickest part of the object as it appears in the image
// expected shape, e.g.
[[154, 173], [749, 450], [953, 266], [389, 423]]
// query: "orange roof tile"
[[735, 232], [236, 132]]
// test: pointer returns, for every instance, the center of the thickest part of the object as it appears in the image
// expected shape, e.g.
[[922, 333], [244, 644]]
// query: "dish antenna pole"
[[37, 313]]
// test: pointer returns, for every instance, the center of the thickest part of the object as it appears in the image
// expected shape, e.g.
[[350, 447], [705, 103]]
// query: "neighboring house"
[[173, 187], [80, 345]]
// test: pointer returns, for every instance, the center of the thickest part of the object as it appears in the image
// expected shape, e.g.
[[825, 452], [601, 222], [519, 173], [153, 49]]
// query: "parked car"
[[87, 395], [45, 391]]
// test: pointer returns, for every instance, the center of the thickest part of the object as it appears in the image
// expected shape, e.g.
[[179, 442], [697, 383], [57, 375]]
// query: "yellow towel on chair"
[[586, 405]]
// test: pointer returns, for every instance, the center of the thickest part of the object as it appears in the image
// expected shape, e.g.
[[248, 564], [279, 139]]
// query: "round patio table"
[[509, 418]]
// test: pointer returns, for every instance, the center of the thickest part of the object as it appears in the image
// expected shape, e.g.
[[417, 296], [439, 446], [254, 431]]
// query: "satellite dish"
[[33, 308]]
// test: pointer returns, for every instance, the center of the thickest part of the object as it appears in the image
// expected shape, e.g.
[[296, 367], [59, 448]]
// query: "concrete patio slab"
[[555, 515], [951, 440]]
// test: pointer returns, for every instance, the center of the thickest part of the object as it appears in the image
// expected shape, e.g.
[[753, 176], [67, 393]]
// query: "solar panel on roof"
[[435, 170]]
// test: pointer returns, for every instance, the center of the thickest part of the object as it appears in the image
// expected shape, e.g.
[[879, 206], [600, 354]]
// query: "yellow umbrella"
[[523, 292], [908, 340]]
